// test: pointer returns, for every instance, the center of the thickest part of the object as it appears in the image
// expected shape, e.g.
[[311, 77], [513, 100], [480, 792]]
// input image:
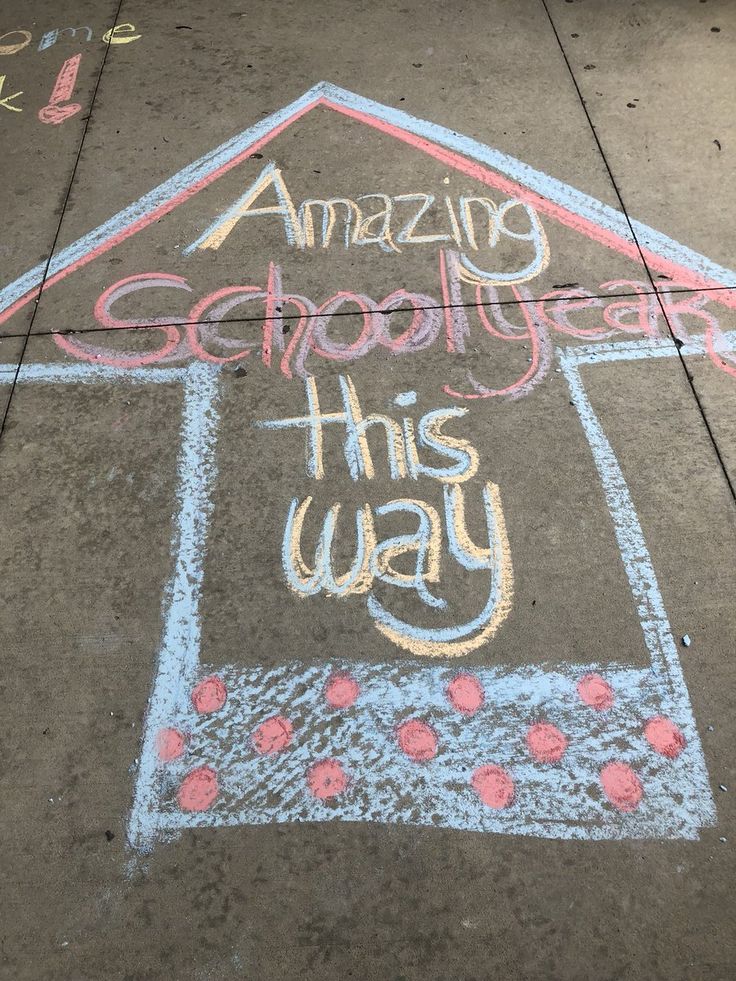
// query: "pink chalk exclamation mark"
[[55, 113]]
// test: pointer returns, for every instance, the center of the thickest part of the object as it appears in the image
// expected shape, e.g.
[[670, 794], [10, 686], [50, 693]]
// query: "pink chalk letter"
[[55, 112]]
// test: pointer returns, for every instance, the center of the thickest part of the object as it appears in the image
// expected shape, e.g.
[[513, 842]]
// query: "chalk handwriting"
[[6, 100], [120, 34], [14, 48], [374, 557], [402, 219], [51, 37], [295, 331]]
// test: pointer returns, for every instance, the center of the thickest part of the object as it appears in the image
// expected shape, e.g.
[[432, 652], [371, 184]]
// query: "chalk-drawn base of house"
[[373, 778], [366, 774]]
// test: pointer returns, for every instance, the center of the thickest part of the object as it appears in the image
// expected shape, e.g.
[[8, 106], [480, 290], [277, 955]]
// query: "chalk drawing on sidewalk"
[[596, 751], [59, 106], [588, 751], [406, 443]]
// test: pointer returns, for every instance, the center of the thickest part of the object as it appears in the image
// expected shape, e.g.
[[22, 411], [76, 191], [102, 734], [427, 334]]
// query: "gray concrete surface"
[[340, 802]]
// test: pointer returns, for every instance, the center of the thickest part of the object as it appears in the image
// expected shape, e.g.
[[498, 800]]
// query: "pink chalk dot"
[[664, 736], [418, 740], [198, 789], [170, 744], [341, 690], [327, 778], [621, 786], [596, 692], [493, 785], [209, 695], [546, 743], [465, 693], [273, 735]]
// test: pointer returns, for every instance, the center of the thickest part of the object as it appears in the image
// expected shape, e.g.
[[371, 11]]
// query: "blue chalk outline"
[[178, 664]]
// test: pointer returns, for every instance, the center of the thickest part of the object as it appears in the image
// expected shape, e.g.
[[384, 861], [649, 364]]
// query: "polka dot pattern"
[[527, 746]]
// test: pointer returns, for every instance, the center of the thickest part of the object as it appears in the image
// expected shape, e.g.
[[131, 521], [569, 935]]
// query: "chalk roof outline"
[[549, 196]]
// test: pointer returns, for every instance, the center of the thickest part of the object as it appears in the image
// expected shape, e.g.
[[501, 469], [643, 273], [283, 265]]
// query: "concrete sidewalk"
[[368, 449]]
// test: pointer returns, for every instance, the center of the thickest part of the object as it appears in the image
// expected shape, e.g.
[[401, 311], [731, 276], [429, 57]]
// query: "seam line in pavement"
[[604, 158], [73, 175]]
